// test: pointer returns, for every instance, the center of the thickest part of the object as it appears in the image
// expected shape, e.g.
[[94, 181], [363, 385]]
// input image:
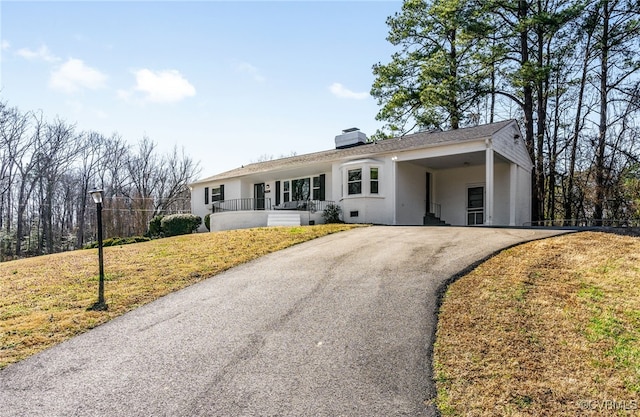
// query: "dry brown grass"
[[44, 300], [548, 328]]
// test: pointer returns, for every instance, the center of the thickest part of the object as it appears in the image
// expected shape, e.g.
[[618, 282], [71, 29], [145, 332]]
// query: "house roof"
[[408, 142]]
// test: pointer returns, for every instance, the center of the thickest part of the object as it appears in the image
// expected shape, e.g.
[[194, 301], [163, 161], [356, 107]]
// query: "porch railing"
[[250, 204], [435, 209], [241, 204], [316, 205]]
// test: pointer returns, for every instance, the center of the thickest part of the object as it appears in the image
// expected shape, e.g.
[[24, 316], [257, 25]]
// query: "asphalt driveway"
[[339, 326]]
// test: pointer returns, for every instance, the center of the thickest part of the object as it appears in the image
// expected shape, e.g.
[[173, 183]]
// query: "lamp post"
[[97, 198]]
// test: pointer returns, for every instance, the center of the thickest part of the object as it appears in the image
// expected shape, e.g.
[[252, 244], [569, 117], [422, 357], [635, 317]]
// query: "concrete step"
[[431, 220], [284, 219]]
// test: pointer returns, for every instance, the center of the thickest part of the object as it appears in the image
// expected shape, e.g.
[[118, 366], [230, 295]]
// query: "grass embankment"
[[548, 328], [44, 300]]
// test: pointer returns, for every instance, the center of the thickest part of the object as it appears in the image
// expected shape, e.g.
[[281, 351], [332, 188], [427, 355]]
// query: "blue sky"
[[228, 81]]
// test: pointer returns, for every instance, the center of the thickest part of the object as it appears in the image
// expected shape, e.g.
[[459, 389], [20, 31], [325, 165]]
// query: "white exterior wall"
[[371, 208], [197, 203], [232, 189], [199, 208], [269, 193], [523, 197], [410, 194], [244, 190], [506, 144], [501, 194], [451, 191], [232, 220]]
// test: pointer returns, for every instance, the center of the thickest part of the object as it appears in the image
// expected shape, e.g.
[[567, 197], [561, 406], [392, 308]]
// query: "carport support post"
[[488, 215], [513, 188]]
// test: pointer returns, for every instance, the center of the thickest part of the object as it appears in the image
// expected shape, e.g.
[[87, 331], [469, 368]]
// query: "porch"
[[244, 213]]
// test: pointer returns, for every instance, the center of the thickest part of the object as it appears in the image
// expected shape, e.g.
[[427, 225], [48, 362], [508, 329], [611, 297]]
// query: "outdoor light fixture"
[[100, 304], [96, 195]]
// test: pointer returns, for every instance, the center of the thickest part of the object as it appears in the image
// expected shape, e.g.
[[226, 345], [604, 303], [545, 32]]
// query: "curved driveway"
[[339, 326]]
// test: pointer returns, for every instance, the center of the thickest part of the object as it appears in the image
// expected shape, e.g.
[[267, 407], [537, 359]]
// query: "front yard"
[[548, 328]]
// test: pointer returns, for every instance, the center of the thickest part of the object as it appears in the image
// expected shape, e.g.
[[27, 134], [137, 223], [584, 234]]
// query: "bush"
[[155, 226], [207, 221], [118, 241], [331, 214], [180, 224]]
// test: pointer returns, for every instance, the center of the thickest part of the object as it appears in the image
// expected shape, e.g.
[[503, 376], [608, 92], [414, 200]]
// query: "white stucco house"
[[471, 176]]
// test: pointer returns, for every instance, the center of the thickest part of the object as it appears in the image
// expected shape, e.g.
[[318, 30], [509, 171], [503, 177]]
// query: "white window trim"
[[310, 177], [364, 165]]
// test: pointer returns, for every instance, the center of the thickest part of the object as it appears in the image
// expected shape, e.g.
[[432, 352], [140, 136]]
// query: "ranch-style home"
[[472, 176]]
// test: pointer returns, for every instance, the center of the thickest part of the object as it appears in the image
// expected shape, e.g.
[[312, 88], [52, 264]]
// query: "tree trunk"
[[542, 87], [527, 106], [453, 73], [569, 198], [598, 208]]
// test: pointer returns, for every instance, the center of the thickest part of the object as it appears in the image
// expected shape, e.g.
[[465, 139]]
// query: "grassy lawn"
[[44, 300], [548, 328]]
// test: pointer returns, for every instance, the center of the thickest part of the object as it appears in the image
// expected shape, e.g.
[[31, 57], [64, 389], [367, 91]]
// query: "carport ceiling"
[[457, 161]]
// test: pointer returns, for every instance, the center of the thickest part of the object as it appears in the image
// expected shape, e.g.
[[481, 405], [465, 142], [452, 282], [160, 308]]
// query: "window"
[[323, 187], [286, 193], [373, 180], [316, 188], [217, 193], [354, 181], [362, 179], [475, 205], [301, 189], [206, 195], [475, 200]]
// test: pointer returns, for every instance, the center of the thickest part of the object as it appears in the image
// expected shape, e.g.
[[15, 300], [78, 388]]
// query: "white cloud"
[[341, 91], [160, 86], [247, 68], [74, 75], [41, 54], [5, 45]]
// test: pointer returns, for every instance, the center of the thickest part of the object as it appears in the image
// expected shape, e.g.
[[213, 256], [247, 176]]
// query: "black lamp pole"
[[100, 304]]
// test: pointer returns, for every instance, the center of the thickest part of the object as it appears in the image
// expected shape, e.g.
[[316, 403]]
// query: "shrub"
[[155, 226], [180, 224], [331, 214], [118, 241], [207, 221]]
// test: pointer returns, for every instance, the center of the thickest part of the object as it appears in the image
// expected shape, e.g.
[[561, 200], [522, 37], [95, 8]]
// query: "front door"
[[475, 205], [258, 195]]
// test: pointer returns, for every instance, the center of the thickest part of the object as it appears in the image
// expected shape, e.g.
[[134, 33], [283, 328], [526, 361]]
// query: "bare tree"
[[47, 169], [618, 39], [25, 161], [13, 126], [176, 172], [92, 149], [57, 149]]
